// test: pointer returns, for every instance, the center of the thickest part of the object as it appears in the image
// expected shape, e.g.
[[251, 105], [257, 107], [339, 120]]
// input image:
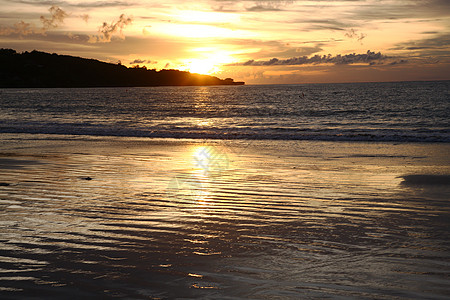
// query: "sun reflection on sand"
[[211, 160], [203, 164]]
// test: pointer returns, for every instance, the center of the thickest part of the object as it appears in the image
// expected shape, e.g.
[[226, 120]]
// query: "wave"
[[418, 180], [247, 133]]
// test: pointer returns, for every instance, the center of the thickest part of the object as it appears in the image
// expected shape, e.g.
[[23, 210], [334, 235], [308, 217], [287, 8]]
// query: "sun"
[[209, 62], [202, 66]]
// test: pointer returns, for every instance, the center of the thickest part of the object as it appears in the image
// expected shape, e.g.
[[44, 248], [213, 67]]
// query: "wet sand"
[[166, 218]]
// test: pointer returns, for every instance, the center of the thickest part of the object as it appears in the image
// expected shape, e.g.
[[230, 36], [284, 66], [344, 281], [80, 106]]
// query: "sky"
[[259, 42]]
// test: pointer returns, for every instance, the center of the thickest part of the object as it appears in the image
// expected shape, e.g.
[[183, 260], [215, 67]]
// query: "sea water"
[[285, 192], [403, 112]]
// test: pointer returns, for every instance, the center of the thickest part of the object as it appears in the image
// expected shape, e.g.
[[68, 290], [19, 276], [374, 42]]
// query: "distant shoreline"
[[37, 69]]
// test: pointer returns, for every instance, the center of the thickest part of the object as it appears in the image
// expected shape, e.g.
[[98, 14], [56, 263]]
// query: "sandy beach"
[[166, 218]]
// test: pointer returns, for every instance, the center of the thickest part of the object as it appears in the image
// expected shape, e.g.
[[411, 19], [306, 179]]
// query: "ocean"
[[395, 112], [311, 191]]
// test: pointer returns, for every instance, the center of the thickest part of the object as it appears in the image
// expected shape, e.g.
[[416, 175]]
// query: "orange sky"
[[254, 41]]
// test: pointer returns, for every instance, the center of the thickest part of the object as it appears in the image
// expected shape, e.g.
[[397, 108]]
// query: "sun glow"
[[210, 64], [200, 66], [207, 17]]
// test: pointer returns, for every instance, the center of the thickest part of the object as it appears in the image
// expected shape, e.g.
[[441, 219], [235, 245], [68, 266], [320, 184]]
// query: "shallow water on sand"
[[141, 218]]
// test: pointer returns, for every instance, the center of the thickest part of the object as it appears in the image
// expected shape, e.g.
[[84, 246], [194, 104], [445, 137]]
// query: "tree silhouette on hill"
[[41, 69]]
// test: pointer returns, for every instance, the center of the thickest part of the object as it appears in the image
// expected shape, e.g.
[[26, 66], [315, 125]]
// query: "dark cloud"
[[275, 48], [22, 28], [57, 16], [38, 2], [319, 24], [440, 42], [398, 10], [324, 27], [85, 17], [398, 62], [287, 50], [54, 37], [353, 34], [262, 8], [147, 18], [252, 5], [138, 61], [92, 4], [142, 61], [80, 38], [324, 59], [283, 50], [268, 6], [366, 11], [108, 30]]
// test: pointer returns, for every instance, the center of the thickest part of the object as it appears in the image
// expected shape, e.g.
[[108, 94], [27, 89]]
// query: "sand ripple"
[[295, 226]]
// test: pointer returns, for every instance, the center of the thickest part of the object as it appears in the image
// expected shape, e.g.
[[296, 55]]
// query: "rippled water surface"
[[399, 112], [145, 218]]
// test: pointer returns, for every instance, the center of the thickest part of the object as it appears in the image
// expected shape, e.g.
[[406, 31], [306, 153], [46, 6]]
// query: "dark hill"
[[40, 69]]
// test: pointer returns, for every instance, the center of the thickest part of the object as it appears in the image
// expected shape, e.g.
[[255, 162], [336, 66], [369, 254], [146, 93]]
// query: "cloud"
[[85, 17], [353, 34], [100, 4], [429, 51], [354, 10], [327, 23], [142, 61], [398, 10], [39, 2], [262, 8], [95, 4], [399, 62], [92, 4], [108, 30], [268, 6], [138, 61], [262, 49], [21, 28], [57, 16], [339, 59], [252, 5], [312, 24], [145, 31], [441, 41]]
